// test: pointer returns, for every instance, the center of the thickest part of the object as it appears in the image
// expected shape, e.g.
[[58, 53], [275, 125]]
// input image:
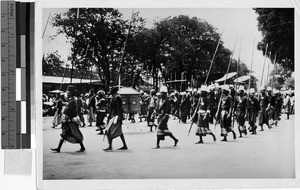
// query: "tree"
[[290, 83], [52, 64], [277, 28], [104, 30]]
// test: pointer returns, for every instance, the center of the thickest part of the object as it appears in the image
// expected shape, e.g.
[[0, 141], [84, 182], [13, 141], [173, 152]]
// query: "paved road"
[[269, 154]]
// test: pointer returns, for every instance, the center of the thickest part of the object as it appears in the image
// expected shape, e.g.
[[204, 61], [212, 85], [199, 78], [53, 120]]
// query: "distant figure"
[[70, 126], [79, 108], [151, 107], [57, 117], [91, 105], [101, 111], [287, 105], [240, 107], [263, 114], [115, 117], [252, 111]]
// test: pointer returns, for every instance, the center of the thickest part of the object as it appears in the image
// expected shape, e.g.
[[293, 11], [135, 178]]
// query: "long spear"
[[268, 70], [262, 74], [46, 25], [274, 72], [236, 82], [248, 94], [124, 48], [87, 47], [198, 104], [219, 104], [75, 29]]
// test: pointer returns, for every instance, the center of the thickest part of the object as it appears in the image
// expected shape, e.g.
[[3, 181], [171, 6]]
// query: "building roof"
[[128, 90], [67, 80]]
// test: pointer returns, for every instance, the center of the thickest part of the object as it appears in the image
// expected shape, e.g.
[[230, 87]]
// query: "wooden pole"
[[262, 75]]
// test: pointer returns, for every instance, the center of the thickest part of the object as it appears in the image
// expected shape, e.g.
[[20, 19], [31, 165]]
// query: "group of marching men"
[[223, 106]]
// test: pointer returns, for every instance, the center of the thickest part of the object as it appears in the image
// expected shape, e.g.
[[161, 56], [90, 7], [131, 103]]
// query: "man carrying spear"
[[226, 112], [252, 111], [203, 116], [263, 114], [115, 120], [163, 111], [240, 107]]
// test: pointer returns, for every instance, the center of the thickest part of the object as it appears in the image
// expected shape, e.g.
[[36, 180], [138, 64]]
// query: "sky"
[[241, 22]]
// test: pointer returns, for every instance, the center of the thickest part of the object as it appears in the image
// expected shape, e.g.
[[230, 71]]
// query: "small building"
[[51, 83]]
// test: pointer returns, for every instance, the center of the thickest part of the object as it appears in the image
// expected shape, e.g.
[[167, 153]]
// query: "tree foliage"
[[277, 28], [178, 46]]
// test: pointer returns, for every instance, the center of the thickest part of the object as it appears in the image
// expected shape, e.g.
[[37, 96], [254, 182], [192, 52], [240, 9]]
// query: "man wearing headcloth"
[[79, 108], [151, 107], [163, 111], [91, 107], [240, 108], [252, 111], [203, 116], [184, 107], [277, 107], [271, 106], [263, 114], [70, 124], [115, 120], [100, 110], [226, 113], [57, 117]]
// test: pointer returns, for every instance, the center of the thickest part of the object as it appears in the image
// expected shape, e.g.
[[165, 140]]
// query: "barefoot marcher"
[[151, 107], [115, 117], [70, 124], [57, 117], [263, 113], [100, 110], [226, 107], [163, 111], [203, 116], [91, 104], [79, 109], [252, 111], [240, 107]]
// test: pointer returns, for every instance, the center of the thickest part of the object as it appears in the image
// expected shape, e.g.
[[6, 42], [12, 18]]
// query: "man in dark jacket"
[[252, 111], [114, 127], [163, 111], [226, 107], [70, 127]]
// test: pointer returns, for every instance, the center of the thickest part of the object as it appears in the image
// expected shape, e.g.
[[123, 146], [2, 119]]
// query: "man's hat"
[[204, 88], [101, 92], [225, 87], [252, 90], [163, 89], [71, 89], [241, 88], [269, 88]]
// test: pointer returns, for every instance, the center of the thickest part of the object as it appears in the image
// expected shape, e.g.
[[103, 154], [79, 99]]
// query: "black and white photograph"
[[168, 93]]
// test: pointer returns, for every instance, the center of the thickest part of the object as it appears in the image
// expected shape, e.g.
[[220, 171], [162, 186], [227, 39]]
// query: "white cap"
[[158, 94], [225, 87], [210, 87], [269, 88], [182, 93], [204, 88], [241, 88], [252, 90], [164, 89], [275, 91]]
